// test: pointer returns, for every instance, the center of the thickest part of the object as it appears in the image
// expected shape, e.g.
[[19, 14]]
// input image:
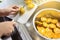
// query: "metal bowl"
[[35, 26]]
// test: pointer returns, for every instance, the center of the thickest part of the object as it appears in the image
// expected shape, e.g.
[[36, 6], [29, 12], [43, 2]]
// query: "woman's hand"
[[9, 11], [6, 28]]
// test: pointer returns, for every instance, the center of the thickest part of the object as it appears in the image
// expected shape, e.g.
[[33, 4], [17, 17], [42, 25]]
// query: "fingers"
[[8, 34], [11, 22], [10, 28], [10, 11], [14, 10], [7, 27], [11, 25], [15, 7], [14, 13]]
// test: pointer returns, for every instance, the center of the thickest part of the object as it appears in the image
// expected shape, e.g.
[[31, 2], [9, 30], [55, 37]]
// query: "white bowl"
[[35, 26]]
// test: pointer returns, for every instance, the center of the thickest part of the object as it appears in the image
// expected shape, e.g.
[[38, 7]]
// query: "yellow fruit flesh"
[[58, 25], [49, 24], [45, 24], [43, 19], [30, 6], [22, 10], [48, 20], [41, 30], [39, 23], [49, 33], [54, 21], [28, 2], [52, 25], [57, 30]]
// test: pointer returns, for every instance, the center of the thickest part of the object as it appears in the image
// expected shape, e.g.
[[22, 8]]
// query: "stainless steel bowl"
[[35, 26]]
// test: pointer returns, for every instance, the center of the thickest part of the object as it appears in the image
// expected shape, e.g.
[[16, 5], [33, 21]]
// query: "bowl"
[[39, 13]]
